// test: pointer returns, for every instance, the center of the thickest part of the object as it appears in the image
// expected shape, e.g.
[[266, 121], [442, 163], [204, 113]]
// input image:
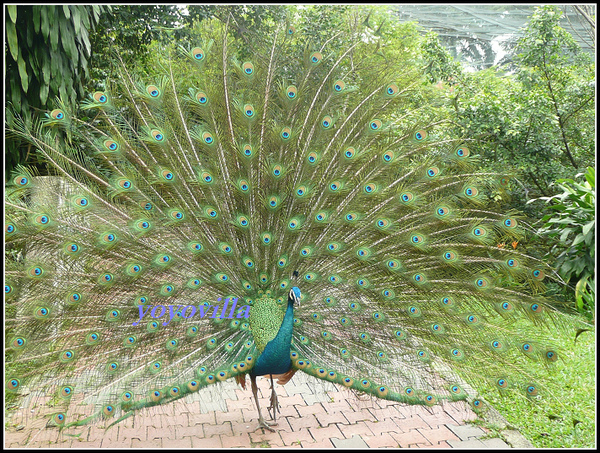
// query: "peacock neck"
[[275, 358]]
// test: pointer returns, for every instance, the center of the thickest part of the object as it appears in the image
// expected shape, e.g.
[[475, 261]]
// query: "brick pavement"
[[314, 414]]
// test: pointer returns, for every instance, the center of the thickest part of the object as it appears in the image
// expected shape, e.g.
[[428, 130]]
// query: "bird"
[[286, 205]]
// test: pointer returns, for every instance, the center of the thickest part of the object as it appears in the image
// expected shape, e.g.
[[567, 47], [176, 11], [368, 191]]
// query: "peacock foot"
[[274, 405], [263, 424]]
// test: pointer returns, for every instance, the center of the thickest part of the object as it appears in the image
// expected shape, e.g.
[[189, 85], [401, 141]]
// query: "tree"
[[570, 228], [547, 54], [48, 53], [537, 124]]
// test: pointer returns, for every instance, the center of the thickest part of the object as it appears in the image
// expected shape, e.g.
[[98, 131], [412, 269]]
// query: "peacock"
[[259, 209]]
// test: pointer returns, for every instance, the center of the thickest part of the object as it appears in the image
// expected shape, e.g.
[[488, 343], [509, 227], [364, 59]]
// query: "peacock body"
[[311, 184]]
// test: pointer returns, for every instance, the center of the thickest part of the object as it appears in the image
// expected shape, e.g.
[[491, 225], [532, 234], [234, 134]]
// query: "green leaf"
[[43, 93], [588, 226], [12, 12], [67, 11], [23, 73], [54, 37], [36, 17], [579, 238], [590, 176], [45, 21], [67, 38], [15, 92], [86, 41], [46, 71], [33, 64], [13, 41], [76, 20]]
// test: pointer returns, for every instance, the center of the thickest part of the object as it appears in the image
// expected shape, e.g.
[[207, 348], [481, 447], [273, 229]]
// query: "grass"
[[566, 416]]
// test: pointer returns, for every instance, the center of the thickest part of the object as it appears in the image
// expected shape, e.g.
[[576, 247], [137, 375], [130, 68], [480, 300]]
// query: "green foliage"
[[49, 49], [537, 124], [129, 30], [440, 64], [553, 67], [134, 31], [571, 227], [564, 417], [545, 41]]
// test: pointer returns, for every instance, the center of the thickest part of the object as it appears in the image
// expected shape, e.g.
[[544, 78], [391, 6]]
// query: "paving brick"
[[97, 443], [342, 395], [383, 426], [45, 435], [242, 440], [62, 444], [199, 418], [287, 410], [312, 409], [298, 423], [330, 431], [211, 430], [495, 442], [302, 389], [184, 442], [202, 442], [330, 417], [160, 433], [381, 440], [181, 419], [464, 432], [181, 431], [355, 416], [353, 442], [312, 398], [296, 437], [291, 399], [471, 443], [249, 415], [410, 438], [43, 444], [230, 416], [413, 422], [131, 433], [460, 412], [439, 434], [125, 443], [437, 416], [281, 424], [438, 445], [240, 427], [18, 438], [215, 406], [320, 444], [267, 437], [386, 412], [96, 433], [358, 428], [236, 405], [337, 406], [515, 439], [137, 443]]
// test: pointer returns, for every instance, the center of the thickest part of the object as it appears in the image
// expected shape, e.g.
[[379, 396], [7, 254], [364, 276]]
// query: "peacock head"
[[294, 295]]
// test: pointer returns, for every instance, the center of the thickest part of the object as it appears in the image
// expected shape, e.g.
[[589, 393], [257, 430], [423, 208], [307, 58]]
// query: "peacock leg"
[[274, 402], [261, 421]]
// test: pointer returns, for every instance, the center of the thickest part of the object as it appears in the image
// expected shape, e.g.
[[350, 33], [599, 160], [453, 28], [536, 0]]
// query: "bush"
[[570, 226]]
